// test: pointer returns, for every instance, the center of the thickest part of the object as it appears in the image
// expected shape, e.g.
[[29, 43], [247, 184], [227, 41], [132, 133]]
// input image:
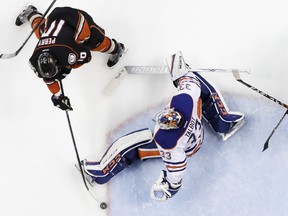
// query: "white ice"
[[235, 177]]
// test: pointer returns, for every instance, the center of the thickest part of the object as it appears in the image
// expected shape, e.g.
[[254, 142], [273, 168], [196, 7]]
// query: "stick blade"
[[7, 55], [266, 145]]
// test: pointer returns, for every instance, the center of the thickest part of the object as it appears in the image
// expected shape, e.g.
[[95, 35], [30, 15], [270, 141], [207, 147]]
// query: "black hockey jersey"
[[65, 31]]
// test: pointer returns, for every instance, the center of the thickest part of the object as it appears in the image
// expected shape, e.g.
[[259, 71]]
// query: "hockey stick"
[[150, 70], [238, 78], [73, 140], [153, 70], [103, 205], [11, 55], [266, 145]]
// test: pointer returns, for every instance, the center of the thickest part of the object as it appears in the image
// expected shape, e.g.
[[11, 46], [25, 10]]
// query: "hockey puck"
[[103, 205]]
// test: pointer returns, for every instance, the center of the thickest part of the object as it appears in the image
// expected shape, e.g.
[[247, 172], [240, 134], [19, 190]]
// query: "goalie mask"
[[47, 67], [169, 119]]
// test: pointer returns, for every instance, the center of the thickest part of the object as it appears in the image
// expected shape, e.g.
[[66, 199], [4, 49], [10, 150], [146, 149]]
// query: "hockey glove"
[[162, 189], [61, 102]]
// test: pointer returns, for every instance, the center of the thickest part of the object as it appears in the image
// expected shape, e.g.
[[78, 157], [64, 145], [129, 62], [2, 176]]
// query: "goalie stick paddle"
[[238, 78], [11, 55], [151, 70]]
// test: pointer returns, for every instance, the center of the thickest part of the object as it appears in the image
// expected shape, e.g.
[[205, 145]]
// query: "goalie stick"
[[238, 78], [11, 55], [153, 70]]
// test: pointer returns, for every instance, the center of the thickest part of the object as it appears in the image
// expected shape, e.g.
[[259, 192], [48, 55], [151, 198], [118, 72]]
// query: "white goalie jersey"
[[176, 145]]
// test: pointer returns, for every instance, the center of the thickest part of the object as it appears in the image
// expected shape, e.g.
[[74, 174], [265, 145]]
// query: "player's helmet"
[[169, 119], [47, 67]]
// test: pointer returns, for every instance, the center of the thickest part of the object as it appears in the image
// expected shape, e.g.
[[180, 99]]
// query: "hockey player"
[[178, 133], [66, 39]]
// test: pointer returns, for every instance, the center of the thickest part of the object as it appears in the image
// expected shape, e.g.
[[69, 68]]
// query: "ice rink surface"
[[235, 177]]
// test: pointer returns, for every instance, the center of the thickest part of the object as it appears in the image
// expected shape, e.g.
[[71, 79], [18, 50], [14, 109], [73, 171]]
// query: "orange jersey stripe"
[[199, 108], [104, 46], [169, 167], [145, 154], [195, 149], [34, 23], [54, 87], [82, 32]]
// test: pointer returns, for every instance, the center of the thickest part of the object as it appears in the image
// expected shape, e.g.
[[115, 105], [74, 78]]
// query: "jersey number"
[[54, 29], [166, 155]]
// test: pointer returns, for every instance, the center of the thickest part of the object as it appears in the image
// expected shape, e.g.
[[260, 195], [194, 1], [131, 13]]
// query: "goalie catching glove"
[[61, 102], [163, 189]]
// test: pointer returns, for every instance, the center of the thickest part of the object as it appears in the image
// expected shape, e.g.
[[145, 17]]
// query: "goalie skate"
[[234, 128], [88, 178]]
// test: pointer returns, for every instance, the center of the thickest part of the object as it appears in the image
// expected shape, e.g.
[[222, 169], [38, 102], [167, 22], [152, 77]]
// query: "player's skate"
[[234, 126], [24, 15], [114, 58]]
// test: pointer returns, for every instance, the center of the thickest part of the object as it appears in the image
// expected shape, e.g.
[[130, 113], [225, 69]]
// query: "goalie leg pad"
[[122, 153], [100, 175], [215, 110]]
